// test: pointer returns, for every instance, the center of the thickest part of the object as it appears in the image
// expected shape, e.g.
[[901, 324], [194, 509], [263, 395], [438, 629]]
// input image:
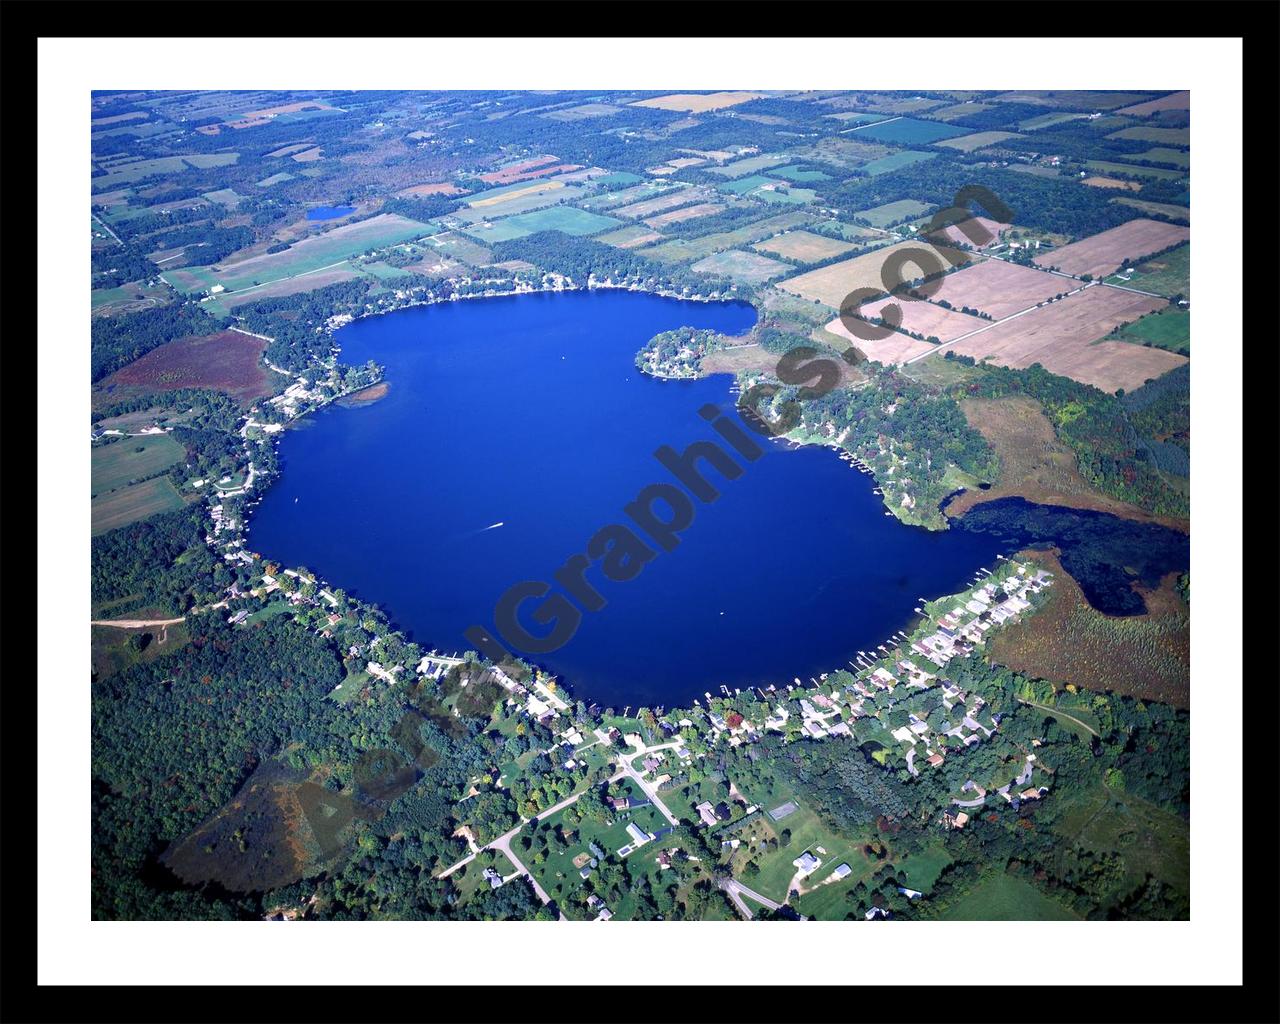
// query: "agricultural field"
[[630, 237], [275, 179], [1174, 101], [665, 201], [697, 103], [1071, 642], [971, 231], [750, 165], [1168, 274], [1078, 99], [506, 193], [1061, 337], [679, 250], [997, 288], [1169, 210], [521, 202], [896, 349], [924, 318], [1097, 181], [684, 213], [893, 213], [1165, 136], [857, 117], [228, 361], [129, 504], [1032, 124], [1179, 158], [794, 172], [978, 140], [1112, 167], [959, 110], [803, 246], [433, 188], [898, 106], [568, 219], [121, 462], [844, 151], [853, 232], [224, 302], [310, 254], [124, 173], [742, 186], [829, 285], [896, 161], [907, 131], [741, 266], [1169, 329], [1102, 253]]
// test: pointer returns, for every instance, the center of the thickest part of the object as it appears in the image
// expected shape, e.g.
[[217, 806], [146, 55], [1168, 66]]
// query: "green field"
[[749, 165], [1163, 155], [1000, 897], [895, 161], [1173, 212], [908, 131], [312, 253], [892, 213], [681, 249], [1169, 329], [568, 219], [1048, 120], [1168, 136], [129, 504], [1134, 171], [275, 179], [132, 458], [742, 186], [123, 173], [742, 266], [796, 173], [1166, 275]]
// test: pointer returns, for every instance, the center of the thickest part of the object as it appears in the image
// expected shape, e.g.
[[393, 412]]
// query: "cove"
[[528, 411]]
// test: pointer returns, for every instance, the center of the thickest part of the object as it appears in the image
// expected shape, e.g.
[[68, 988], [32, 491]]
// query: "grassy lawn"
[[270, 610], [1167, 275], [1005, 898], [922, 869], [350, 686]]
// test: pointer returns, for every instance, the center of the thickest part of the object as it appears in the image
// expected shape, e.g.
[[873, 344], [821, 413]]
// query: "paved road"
[[736, 890]]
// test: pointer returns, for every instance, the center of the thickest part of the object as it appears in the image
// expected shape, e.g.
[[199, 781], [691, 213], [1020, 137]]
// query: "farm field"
[[1113, 167], [129, 504], [896, 349], [1179, 158], [794, 172], [132, 458], [1168, 328], [1061, 337], [228, 361], [697, 103], [959, 110], [634, 194], [1031, 124], [1000, 897], [630, 237], [853, 232], [803, 246], [999, 289], [895, 161], [308, 282], [684, 213], [505, 193], [124, 173], [925, 318], [750, 165], [1169, 210], [568, 219], [897, 105], [1174, 101], [829, 285], [741, 266], [679, 250], [648, 207], [1166, 136], [522, 202], [433, 188], [909, 132], [857, 117], [968, 143], [275, 179], [845, 151], [971, 231], [1168, 275], [309, 254], [1102, 253], [228, 197], [1097, 181], [742, 186], [1078, 98], [891, 213]]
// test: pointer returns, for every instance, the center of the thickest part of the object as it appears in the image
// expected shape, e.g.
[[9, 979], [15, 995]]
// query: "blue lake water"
[[329, 212], [529, 411]]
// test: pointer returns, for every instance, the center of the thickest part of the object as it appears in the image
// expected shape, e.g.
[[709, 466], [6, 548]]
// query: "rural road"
[[736, 890]]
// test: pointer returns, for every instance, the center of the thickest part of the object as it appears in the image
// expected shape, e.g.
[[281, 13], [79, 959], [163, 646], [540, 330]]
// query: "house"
[[935, 760], [620, 803], [493, 878], [638, 834], [841, 871], [605, 915], [960, 820], [706, 813], [664, 859], [875, 912], [651, 762], [807, 863], [911, 894]]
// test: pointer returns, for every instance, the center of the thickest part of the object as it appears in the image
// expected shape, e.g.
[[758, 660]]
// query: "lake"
[[528, 411], [329, 212]]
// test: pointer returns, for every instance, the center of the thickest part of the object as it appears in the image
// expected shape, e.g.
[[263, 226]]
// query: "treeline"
[[140, 561], [118, 340]]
